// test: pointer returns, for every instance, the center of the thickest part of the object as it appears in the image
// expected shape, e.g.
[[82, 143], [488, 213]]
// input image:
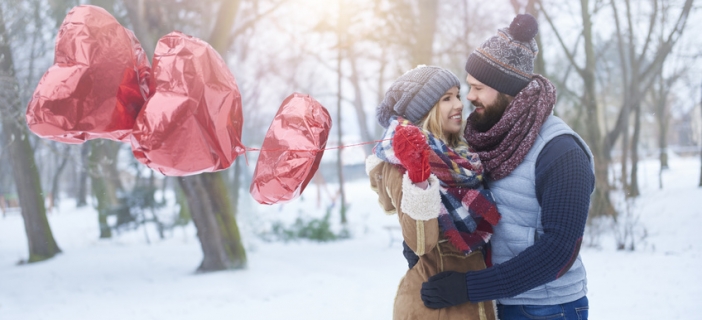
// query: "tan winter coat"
[[418, 210]]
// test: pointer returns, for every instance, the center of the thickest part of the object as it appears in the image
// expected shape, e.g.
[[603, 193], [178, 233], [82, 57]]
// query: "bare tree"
[[642, 63], [661, 107], [601, 203], [42, 245]]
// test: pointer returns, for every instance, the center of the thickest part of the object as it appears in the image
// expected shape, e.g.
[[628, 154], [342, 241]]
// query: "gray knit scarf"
[[502, 148]]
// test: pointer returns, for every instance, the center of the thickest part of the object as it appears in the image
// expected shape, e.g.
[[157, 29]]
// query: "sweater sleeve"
[[564, 182]]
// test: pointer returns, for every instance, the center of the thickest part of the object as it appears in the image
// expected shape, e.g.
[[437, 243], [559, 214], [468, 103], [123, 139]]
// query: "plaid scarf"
[[468, 212]]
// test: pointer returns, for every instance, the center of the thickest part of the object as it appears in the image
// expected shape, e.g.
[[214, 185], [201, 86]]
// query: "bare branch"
[[651, 23], [570, 56], [632, 44], [251, 22], [673, 37]]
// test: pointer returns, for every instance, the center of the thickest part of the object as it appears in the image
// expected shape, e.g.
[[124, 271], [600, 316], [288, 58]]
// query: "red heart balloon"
[[192, 123], [291, 151], [97, 84]]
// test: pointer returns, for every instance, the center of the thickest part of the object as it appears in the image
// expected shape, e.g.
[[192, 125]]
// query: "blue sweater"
[[564, 182]]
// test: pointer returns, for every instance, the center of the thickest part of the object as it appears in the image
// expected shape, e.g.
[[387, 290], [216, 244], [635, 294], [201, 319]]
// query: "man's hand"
[[412, 150], [445, 289]]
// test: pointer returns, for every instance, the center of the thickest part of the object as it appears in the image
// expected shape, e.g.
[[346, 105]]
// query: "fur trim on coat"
[[418, 203]]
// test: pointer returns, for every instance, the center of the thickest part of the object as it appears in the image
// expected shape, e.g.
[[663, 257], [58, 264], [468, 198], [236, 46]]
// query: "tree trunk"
[[82, 196], [700, 184], [42, 245], [55, 180], [215, 221], [104, 180], [625, 158], [634, 186], [236, 182], [601, 203], [137, 13], [426, 28], [339, 162], [358, 106], [662, 118]]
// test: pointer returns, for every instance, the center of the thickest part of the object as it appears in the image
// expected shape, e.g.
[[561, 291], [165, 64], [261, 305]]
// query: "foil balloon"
[[291, 150], [97, 84], [192, 123]]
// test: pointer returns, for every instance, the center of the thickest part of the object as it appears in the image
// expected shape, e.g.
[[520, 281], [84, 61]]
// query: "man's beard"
[[491, 114]]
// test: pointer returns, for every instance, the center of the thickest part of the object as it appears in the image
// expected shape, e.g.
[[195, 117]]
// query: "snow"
[[129, 278]]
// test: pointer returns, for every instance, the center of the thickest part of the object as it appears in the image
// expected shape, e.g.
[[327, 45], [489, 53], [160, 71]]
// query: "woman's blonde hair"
[[432, 123]]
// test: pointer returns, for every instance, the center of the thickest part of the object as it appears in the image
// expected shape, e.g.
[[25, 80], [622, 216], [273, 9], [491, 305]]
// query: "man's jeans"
[[576, 310]]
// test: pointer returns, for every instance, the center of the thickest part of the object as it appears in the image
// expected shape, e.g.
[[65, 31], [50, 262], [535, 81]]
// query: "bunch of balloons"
[[183, 116]]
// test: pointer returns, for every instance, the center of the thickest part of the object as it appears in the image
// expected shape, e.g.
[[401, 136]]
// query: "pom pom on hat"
[[524, 27]]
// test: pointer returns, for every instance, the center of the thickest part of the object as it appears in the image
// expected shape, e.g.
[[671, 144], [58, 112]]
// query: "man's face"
[[489, 104]]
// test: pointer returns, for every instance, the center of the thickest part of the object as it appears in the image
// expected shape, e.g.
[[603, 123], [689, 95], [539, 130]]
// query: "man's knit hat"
[[414, 93], [505, 62]]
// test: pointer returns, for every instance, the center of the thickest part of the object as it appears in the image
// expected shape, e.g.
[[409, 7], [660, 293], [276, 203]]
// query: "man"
[[541, 175]]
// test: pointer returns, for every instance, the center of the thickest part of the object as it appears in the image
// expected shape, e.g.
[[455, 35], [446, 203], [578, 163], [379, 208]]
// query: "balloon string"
[[316, 150]]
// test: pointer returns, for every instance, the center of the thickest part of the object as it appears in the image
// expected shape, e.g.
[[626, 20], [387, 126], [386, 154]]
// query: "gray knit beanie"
[[414, 93], [505, 62]]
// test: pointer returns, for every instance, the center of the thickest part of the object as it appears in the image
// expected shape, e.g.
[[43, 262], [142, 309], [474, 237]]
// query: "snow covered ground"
[[127, 278]]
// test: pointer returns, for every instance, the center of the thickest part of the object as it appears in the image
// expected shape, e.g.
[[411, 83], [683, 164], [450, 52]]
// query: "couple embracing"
[[492, 211]]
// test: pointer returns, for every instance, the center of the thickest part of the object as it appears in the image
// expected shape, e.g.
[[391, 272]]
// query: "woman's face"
[[451, 112]]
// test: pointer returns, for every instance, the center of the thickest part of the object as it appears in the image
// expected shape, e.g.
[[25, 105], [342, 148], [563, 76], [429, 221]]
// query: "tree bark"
[[104, 180], [82, 196], [339, 128], [358, 106], [700, 184], [42, 245], [601, 203], [216, 224], [662, 118], [634, 185], [426, 28], [55, 181], [625, 160]]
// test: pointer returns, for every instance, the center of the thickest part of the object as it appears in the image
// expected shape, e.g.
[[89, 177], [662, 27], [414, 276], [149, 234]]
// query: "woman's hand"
[[411, 149]]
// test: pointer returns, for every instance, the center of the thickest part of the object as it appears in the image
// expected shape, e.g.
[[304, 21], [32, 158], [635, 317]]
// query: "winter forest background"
[[88, 232]]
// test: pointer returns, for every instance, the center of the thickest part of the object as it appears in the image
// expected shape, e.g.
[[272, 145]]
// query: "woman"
[[425, 172]]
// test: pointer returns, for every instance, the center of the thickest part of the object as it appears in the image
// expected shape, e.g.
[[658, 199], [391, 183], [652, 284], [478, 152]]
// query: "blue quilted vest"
[[520, 225]]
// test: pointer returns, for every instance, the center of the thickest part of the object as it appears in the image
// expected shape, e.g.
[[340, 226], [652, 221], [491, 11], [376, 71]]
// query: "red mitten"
[[412, 150]]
